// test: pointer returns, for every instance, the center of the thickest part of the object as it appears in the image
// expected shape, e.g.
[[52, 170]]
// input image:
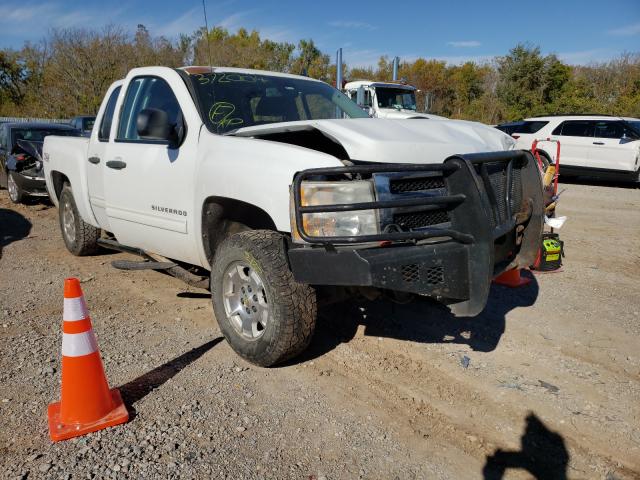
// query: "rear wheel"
[[265, 315], [16, 195], [79, 237]]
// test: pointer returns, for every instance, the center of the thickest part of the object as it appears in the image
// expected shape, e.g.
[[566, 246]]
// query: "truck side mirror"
[[153, 124]]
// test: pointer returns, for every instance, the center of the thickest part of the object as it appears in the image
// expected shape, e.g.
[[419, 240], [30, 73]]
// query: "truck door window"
[[107, 116], [146, 92]]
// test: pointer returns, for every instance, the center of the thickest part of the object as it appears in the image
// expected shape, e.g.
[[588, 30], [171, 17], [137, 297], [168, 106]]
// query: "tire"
[[16, 195], [281, 314], [79, 237], [546, 161]]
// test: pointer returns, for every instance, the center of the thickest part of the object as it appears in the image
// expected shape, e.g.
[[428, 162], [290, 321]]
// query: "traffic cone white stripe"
[[79, 344], [75, 309]]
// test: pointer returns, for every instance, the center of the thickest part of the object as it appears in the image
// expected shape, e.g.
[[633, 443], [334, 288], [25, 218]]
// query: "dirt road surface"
[[544, 384]]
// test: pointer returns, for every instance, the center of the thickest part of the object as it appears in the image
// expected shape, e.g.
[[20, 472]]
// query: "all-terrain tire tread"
[[295, 302], [86, 241]]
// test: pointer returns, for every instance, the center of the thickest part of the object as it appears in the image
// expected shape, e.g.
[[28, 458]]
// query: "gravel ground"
[[546, 380]]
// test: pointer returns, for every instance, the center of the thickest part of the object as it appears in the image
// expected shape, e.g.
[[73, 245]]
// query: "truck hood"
[[417, 140]]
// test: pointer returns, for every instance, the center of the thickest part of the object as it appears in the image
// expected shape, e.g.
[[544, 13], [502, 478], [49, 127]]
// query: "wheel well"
[[222, 216], [59, 179]]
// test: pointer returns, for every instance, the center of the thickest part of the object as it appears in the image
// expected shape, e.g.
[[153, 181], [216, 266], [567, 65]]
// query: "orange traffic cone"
[[511, 278], [86, 403]]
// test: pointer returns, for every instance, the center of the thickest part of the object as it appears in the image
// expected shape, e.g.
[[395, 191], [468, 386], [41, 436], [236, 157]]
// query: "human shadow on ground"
[[13, 227], [140, 387], [423, 321], [542, 453]]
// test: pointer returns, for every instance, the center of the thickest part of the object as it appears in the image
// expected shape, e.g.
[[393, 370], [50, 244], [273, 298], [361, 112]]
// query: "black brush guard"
[[489, 213]]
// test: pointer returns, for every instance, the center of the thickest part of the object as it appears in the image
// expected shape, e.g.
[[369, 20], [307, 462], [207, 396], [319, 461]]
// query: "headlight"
[[336, 224]]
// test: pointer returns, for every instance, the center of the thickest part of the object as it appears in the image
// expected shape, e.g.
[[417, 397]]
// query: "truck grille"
[[421, 219], [415, 184], [413, 273]]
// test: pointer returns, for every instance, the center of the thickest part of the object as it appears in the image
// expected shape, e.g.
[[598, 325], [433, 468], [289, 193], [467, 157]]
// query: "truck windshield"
[[398, 98], [230, 100]]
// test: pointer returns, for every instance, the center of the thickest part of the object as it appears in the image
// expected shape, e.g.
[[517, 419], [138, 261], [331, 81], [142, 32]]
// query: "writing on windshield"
[[230, 100]]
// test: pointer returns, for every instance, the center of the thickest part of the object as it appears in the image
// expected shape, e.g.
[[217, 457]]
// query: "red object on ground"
[[86, 404], [512, 278]]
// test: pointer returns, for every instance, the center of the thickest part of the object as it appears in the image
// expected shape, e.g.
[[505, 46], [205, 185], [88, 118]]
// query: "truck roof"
[[192, 69], [369, 83]]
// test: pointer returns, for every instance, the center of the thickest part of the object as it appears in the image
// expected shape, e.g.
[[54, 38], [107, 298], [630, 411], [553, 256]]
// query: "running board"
[[153, 262], [143, 265]]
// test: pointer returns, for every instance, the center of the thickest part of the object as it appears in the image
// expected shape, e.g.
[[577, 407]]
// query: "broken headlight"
[[336, 224]]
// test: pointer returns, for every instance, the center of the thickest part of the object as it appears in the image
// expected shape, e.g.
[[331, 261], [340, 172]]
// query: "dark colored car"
[[84, 123], [21, 157]]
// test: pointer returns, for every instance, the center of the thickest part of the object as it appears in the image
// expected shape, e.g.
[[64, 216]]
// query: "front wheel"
[[16, 195], [80, 238], [265, 315]]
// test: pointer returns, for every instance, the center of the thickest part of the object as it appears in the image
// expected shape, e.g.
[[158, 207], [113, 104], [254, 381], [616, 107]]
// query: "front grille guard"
[[453, 165]]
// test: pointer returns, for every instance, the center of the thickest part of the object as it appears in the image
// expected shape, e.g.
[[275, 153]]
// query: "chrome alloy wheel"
[[68, 221], [245, 300], [12, 187]]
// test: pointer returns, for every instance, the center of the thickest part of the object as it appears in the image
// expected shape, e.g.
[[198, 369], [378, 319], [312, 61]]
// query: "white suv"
[[593, 145]]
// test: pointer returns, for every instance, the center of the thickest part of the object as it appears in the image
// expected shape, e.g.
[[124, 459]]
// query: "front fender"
[[258, 172]]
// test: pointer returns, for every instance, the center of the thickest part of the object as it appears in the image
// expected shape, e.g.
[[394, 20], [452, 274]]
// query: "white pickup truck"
[[270, 185], [386, 99]]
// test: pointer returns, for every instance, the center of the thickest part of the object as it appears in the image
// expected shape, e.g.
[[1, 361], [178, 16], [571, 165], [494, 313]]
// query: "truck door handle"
[[598, 143], [116, 164], [94, 160]]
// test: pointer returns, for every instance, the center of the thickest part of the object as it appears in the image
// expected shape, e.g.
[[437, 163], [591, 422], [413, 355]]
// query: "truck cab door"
[[98, 143], [149, 184]]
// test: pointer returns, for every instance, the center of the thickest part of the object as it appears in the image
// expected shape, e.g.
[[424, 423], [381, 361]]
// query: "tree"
[[312, 62], [69, 71]]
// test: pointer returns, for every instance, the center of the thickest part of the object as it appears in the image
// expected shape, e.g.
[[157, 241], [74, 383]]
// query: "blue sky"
[[580, 32]]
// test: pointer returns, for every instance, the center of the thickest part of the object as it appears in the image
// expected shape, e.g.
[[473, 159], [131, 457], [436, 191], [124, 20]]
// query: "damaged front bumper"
[[448, 229], [31, 182]]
